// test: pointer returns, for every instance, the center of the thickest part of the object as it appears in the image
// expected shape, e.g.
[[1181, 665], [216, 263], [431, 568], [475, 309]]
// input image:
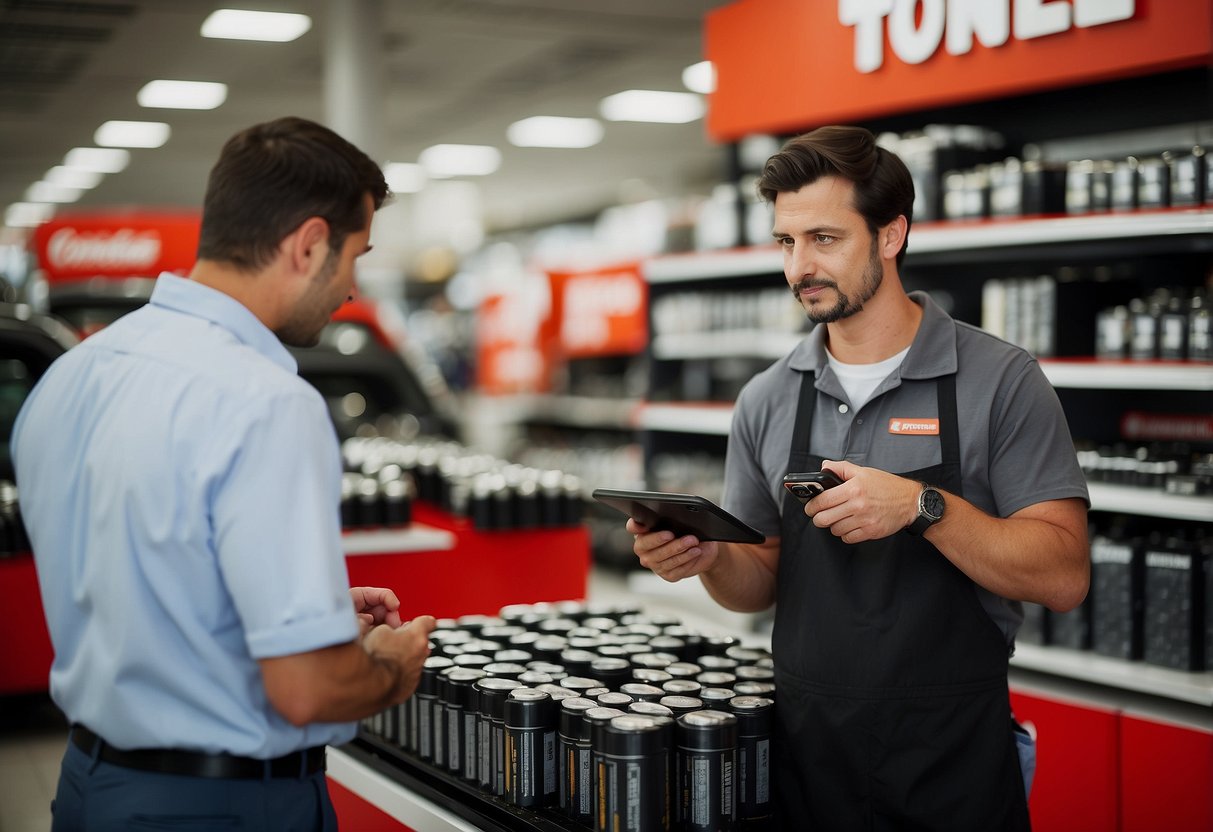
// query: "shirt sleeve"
[[277, 529], [747, 493], [1032, 456]]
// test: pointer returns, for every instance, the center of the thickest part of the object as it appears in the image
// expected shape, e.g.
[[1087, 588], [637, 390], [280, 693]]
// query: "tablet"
[[680, 514]]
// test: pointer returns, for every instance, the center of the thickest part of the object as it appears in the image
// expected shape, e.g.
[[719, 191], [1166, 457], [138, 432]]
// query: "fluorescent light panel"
[[443, 161], [46, 192], [653, 106], [73, 177], [182, 95], [27, 214], [555, 131], [132, 134], [404, 177], [99, 159], [238, 24], [700, 77]]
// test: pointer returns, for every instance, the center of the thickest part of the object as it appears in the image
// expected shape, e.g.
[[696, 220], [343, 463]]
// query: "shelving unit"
[[1188, 230]]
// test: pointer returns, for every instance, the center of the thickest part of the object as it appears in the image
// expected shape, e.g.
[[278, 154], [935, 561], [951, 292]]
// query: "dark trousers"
[[95, 796]]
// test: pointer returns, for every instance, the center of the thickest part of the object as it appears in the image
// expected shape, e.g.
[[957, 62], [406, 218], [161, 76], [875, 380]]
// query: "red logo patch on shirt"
[[914, 427]]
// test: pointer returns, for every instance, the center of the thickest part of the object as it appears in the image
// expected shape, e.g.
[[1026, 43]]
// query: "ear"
[[307, 246], [892, 237]]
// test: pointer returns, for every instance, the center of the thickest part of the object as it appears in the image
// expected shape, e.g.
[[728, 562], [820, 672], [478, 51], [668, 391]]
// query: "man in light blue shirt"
[[180, 483]]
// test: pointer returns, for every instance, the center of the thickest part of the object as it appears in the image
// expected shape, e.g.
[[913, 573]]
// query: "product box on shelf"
[[1174, 622], [1117, 597]]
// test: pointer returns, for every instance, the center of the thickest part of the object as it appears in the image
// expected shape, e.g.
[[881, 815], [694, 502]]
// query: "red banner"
[[601, 312], [117, 245], [785, 66]]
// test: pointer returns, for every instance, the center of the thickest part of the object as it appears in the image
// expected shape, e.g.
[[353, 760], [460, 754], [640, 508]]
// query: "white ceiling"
[[455, 71]]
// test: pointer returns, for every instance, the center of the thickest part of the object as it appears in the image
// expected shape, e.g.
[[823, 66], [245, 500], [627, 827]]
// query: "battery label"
[[701, 791], [762, 790], [549, 762]]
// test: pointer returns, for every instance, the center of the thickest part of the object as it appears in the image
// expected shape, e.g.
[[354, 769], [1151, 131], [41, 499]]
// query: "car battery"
[[1154, 182], [1124, 184], [1174, 618], [1035, 627], [1189, 178], [1117, 593], [1071, 629], [1044, 188]]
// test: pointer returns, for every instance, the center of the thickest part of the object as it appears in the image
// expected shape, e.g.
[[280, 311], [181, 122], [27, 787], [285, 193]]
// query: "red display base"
[[479, 574], [483, 572], [27, 653]]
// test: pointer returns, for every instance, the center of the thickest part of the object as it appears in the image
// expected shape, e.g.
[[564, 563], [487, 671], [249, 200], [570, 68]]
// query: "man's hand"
[[672, 558], [375, 605], [405, 648], [869, 505]]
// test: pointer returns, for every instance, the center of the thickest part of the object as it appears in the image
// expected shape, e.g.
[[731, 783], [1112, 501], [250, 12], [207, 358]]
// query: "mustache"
[[812, 283]]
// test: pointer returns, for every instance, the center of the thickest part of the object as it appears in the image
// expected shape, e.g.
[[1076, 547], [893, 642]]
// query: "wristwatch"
[[930, 510]]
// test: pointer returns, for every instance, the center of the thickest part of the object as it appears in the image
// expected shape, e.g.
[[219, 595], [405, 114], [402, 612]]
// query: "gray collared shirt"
[[1015, 444]]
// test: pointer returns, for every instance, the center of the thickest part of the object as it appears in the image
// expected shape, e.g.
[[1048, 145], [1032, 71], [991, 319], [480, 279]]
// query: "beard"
[[314, 309], [844, 306]]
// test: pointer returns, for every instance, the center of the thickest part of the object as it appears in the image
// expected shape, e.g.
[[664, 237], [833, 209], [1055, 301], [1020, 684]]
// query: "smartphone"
[[679, 513], [805, 486]]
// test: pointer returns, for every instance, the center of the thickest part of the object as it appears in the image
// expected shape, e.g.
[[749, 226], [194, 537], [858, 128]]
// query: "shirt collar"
[[932, 354], [190, 297]]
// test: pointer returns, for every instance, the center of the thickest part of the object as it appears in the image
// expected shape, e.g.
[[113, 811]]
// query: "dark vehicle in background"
[[29, 342]]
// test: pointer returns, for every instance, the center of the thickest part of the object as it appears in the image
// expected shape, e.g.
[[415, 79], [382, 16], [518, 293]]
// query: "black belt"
[[197, 764]]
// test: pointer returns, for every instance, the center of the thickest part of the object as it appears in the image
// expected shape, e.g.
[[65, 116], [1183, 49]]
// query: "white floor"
[[33, 732]]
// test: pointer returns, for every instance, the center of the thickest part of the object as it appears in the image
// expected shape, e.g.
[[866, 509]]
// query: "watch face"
[[932, 503]]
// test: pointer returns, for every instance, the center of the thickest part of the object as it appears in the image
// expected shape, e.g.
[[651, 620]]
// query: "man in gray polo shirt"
[[897, 592]]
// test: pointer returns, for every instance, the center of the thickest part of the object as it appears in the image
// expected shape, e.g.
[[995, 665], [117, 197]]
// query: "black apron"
[[891, 679]]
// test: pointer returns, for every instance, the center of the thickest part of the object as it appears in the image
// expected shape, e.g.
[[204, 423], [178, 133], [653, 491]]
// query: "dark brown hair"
[[272, 177], [883, 187]]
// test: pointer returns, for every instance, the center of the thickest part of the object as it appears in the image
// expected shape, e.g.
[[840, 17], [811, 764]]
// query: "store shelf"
[[416, 537], [746, 343], [959, 236], [388, 795], [710, 419], [585, 411], [1136, 676], [1129, 500], [1128, 375]]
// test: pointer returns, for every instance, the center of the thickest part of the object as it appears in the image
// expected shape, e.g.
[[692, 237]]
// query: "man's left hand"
[[869, 505], [375, 605]]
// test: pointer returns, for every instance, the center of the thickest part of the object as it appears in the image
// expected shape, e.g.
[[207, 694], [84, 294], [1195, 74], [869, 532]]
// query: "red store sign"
[[117, 245], [784, 66]]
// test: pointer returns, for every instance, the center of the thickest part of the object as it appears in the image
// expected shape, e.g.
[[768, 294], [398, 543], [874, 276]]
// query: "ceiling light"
[[73, 177], [27, 214], [443, 161], [652, 105], [555, 131], [237, 24], [99, 159], [182, 95], [46, 192], [700, 77], [404, 177], [132, 134]]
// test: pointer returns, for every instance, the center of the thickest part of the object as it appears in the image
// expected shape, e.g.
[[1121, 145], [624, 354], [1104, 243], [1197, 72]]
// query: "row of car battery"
[[383, 476], [1015, 187], [601, 718], [1174, 467], [1151, 599], [1169, 325]]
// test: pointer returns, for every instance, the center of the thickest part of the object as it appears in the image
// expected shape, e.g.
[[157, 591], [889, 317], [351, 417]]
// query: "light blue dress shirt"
[[181, 487]]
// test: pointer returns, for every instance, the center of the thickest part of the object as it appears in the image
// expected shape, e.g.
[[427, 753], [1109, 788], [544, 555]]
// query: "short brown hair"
[[272, 177], [883, 186]]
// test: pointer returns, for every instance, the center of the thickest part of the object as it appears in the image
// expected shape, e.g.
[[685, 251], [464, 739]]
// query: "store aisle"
[[32, 737], [33, 732]]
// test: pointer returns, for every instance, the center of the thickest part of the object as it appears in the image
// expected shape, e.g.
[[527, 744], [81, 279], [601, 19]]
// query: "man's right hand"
[[669, 557], [406, 648]]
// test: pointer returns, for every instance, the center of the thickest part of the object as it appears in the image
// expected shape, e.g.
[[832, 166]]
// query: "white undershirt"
[[860, 380]]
